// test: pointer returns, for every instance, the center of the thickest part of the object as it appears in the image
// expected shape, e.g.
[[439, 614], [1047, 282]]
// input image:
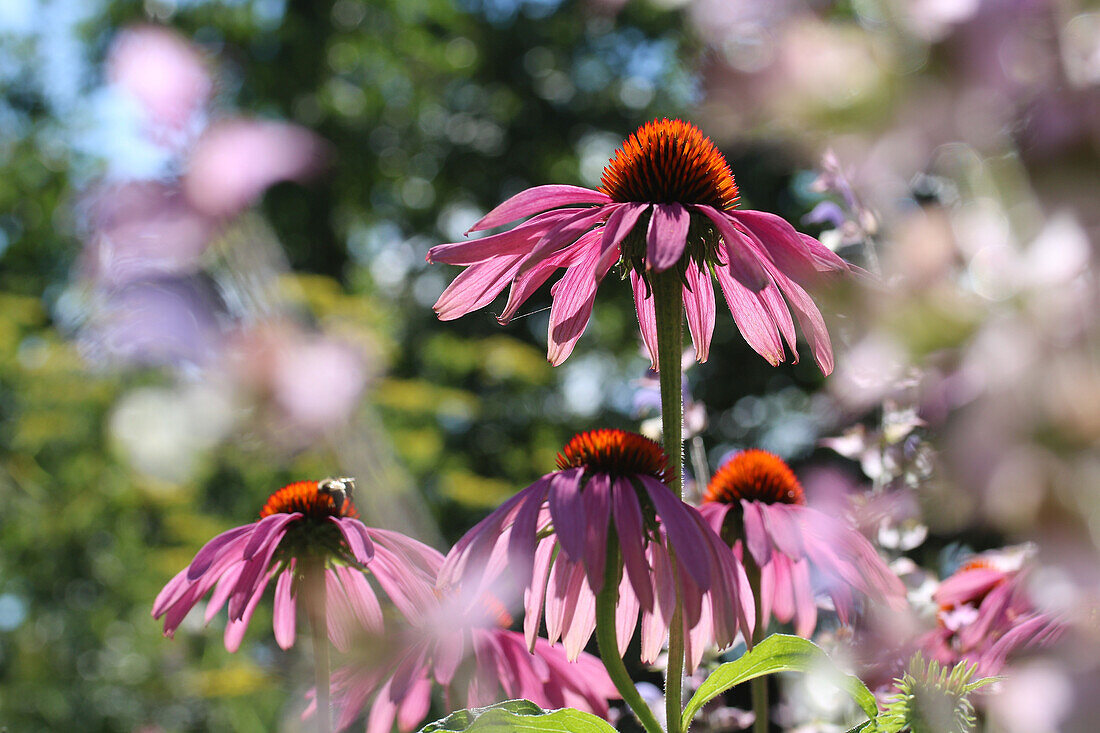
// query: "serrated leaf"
[[777, 653], [519, 715]]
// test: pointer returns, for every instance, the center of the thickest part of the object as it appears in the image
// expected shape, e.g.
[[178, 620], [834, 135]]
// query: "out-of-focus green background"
[[118, 459]]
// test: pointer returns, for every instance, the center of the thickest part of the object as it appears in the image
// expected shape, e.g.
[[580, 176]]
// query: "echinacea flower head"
[[667, 200], [985, 613], [607, 513], [462, 646], [930, 698], [308, 522], [757, 504]]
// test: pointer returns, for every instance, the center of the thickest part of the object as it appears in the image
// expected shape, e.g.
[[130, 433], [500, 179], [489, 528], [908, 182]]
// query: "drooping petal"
[[743, 262], [619, 224], [655, 621], [360, 599], [699, 309], [284, 615], [573, 298], [476, 287], [512, 242], [210, 551], [683, 534], [265, 529], [666, 235], [799, 255], [234, 630], [566, 234], [626, 615], [597, 514], [581, 624], [535, 594], [782, 523], [525, 285], [752, 317], [647, 316], [567, 510], [805, 608], [756, 535], [536, 200], [355, 534], [628, 524]]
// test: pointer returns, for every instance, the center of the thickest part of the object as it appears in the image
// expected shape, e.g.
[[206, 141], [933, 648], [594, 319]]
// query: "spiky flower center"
[[315, 499], [755, 475], [615, 452], [669, 161]]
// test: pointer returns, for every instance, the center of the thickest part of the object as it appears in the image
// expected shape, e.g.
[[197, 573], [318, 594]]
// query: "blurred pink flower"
[[756, 499], [236, 160], [298, 522], [666, 201], [551, 539], [165, 74], [467, 650], [985, 614], [142, 231]]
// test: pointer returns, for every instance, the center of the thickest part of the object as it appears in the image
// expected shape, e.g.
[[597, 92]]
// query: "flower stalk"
[[313, 581], [606, 600], [758, 685], [668, 309]]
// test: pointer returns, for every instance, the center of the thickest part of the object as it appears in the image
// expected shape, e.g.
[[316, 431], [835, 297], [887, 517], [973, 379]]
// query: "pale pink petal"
[[743, 262], [968, 585], [783, 590], [221, 593], [251, 581], [783, 526], [284, 616], [809, 319], [626, 615], [521, 540], [582, 623], [666, 235], [655, 621], [647, 317], [699, 309], [360, 598], [805, 607], [536, 200], [535, 594], [383, 712], [414, 708]]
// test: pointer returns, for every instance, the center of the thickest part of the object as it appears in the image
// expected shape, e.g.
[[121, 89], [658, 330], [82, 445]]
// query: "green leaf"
[[519, 715], [777, 653], [867, 726]]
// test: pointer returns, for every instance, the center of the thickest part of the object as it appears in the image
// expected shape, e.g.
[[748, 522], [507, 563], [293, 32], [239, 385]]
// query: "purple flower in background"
[[666, 201], [758, 493], [304, 521], [552, 540], [985, 614], [467, 649]]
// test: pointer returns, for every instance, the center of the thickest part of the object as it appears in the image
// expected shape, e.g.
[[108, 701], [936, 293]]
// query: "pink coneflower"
[[305, 522], [985, 613], [756, 501], [468, 651], [666, 200], [553, 539]]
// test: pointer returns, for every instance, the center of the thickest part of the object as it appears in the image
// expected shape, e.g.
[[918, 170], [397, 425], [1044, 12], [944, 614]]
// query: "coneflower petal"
[[699, 309], [536, 200], [666, 235]]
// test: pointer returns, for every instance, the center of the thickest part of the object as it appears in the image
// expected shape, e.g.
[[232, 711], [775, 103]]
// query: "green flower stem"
[[758, 685], [669, 310], [606, 600], [314, 582]]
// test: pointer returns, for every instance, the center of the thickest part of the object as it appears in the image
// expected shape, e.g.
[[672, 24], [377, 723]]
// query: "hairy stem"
[[314, 582], [669, 311], [606, 600]]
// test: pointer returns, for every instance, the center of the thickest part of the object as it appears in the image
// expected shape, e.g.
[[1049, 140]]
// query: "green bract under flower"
[[931, 698]]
